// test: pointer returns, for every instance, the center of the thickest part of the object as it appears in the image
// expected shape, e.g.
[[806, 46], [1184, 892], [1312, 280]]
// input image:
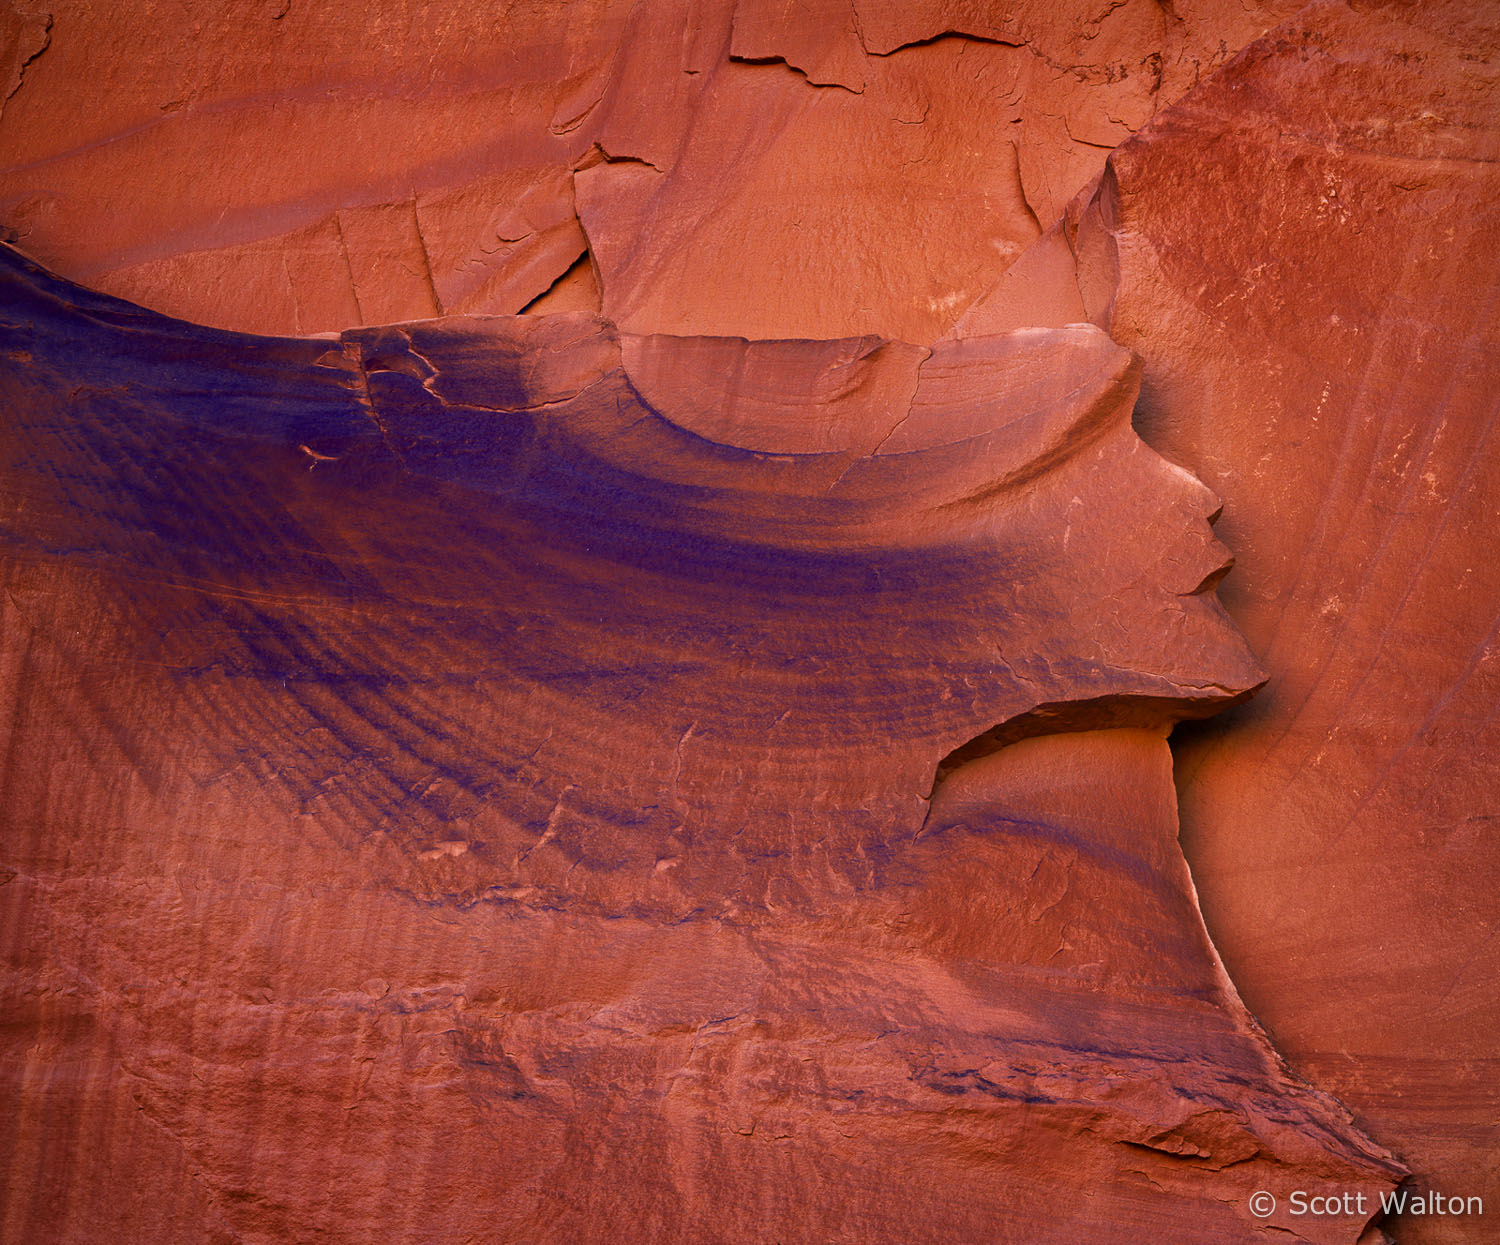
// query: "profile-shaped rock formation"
[[513, 778], [1290, 221]]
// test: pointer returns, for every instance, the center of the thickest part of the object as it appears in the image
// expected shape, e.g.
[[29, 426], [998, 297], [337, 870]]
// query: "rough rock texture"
[[1344, 829], [558, 784], [288, 167], [510, 776], [1326, 357]]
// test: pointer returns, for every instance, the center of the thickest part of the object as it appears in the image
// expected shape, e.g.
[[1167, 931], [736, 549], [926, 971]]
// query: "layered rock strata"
[[509, 777], [1295, 241]]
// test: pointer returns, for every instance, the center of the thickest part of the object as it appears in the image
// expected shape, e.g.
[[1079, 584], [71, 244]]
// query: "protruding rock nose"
[[1218, 554], [1211, 504]]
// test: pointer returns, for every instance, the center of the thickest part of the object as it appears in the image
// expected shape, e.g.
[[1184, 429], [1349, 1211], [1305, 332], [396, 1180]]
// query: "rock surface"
[[284, 167], [1343, 829], [523, 691], [514, 778], [1327, 359]]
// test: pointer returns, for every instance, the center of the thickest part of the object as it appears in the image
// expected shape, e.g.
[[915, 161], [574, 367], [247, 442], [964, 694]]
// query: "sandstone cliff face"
[[736, 168], [578, 762], [1342, 828], [1324, 356], [653, 725]]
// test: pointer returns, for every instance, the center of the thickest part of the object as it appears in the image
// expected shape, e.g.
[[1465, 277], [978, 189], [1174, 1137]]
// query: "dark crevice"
[[575, 270], [928, 40], [597, 155], [773, 59], [1073, 717], [42, 41]]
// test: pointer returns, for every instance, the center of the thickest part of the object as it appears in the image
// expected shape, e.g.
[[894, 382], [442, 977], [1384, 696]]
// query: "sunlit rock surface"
[[1324, 354], [588, 775], [284, 167]]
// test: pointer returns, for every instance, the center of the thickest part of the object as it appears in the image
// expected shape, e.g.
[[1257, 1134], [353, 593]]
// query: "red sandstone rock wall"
[[1324, 357], [590, 776], [301, 168]]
